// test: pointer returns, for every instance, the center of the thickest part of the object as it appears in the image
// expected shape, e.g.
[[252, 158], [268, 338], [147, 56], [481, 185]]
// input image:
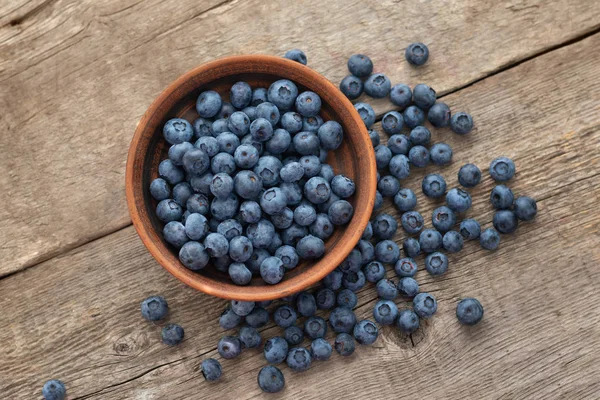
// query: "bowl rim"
[[229, 290]]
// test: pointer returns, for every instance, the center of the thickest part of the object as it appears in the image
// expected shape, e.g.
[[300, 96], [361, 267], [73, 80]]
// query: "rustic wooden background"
[[76, 76]]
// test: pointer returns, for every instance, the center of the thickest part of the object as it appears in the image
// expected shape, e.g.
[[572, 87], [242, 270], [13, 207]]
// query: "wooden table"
[[77, 75]]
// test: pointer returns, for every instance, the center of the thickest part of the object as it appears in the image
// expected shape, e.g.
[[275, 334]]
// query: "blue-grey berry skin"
[[256, 259], [424, 96], [315, 327], [408, 322], [443, 219], [452, 242], [384, 226], [296, 55], [228, 142], [502, 197], [383, 155], [310, 247], [270, 379], [401, 95], [292, 235], [469, 311], [178, 130], [344, 344], [308, 104], [219, 126], [330, 135], [258, 145], [259, 95], [360, 65], [154, 308], [333, 280], [367, 251], [291, 172], [174, 233], [240, 95], [502, 169], [352, 262], [242, 308], [238, 123], [320, 350], [352, 86], [325, 299], [458, 200], [284, 219], [288, 256], [268, 111], [207, 144], [54, 390], [469, 175], [272, 270], [211, 370], [366, 112], [293, 192], [240, 249], [388, 186], [182, 192], [170, 172], [201, 185], [424, 305], [354, 280], [223, 209], [416, 54], [306, 304], [202, 127], [279, 142], [411, 247], [326, 172], [412, 222], [208, 104], [405, 267], [374, 271], [387, 252], [229, 347], [346, 298], [168, 210], [198, 203], [430, 240], [261, 129], [312, 124], [399, 166], [505, 221], [340, 212], [408, 287], [268, 168], [177, 151], [375, 138], [386, 289], [159, 189], [222, 263], [461, 123], [439, 115], [273, 201], [283, 94], [250, 337], [291, 121], [419, 156], [305, 215], [322, 227], [368, 232], [229, 319], [276, 243], [216, 245], [436, 263], [399, 144], [230, 228], [378, 86], [293, 335], [385, 312], [213, 224], [413, 116], [172, 334], [221, 185], [489, 239], [434, 186], [306, 143], [276, 349], [311, 166], [250, 212], [342, 320], [222, 162], [285, 316], [440, 154], [419, 136], [525, 208], [392, 123], [405, 200], [366, 332], [226, 110], [258, 317], [470, 229], [263, 304]]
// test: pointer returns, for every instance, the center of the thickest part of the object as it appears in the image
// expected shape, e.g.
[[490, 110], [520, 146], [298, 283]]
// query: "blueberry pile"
[[246, 187]]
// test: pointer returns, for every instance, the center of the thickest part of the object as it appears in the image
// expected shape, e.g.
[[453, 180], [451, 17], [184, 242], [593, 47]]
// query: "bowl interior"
[[353, 159]]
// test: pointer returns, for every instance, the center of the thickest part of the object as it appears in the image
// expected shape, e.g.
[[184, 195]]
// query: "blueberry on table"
[[399, 144], [344, 344], [411, 247], [392, 123], [405, 267], [315, 327], [433, 186], [413, 117], [374, 136], [452, 242], [275, 350], [525, 208], [298, 359], [154, 308], [306, 304], [333, 280], [347, 298], [458, 200], [502, 197], [250, 337], [489, 239], [178, 130], [424, 305], [430, 240], [399, 166], [293, 335], [424, 96], [408, 322], [296, 55], [366, 112], [401, 95], [416, 54], [440, 154], [352, 86], [461, 123], [436, 263], [412, 222], [54, 390], [270, 379], [386, 289], [385, 312], [419, 156], [388, 186], [469, 229], [384, 226], [342, 319], [172, 334], [405, 200], [360, 65], [383, 155], [439, 115], [469, 175], [211, 369], [378, 86], [366, 332], [354, 280], [469, 311], [443, 219], [408, 287], [505, 221], [325, 299], [229, 347], [320, 349], [387, 252], [367, 251], [502, 169], [285, 316], [229, 319], [259, 317], [419, 136]]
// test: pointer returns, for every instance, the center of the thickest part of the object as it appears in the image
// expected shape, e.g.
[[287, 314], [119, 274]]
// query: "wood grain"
[[78, 75], [76, 317]]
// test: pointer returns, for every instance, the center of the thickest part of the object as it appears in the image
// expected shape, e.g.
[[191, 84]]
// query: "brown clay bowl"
[[354, 159]]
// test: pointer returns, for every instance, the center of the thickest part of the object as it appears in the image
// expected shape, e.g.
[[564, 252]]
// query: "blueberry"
[[272, 270], [268, 111], [240, 250], [315, 327], [242, 308], [408, 287], [392, 123], [320, 350], [374, 271], [178, 130], [258, 317], [408, 321], [340, 212], [525, 208], [310, 247], [284, 219], [502, 169], [322, 227], [384, 226], [208, 144], [436, 263], [222, 263], [386, 289], [333, 280], [399, 166], [283, 94], [293, 234], [291, 121], [387, 252], [374, 136], [279, 142], [325, 299], [276, 349], [270, 379], [312, 124], [211, 369], [273, 201], [330, 135], [360, 65], [306, 143], [198, 203], [226, 110], [308, 104], [306, 304], [202, 127], [439, 115], [291, 172], [288, 256], [461, 123], [258, 145], [434, 186], [170, 172], [344, 344], [342, 320], [411, 247], [430, 240], [385, 312], [159, 189], [413, 117], [366, 113], [256, 259], [216, 245], [352, 262], [419, 135], [230, 228], [452, 242], [268, 169], [213, 224], [352, 86], [419, 156], [285, 316], [250, 111], [208, 104], [378, 86], [405, 268], [505, 221], [240, 95], [259, 95], [305, 215], [354, 280], [238, 123], [168, 210], [470, 229], [458, 200], [405, 200], [172, 334], [383, 156], [416, 54], [250, 212], [293, 192], [368, 232], [54, 390], [443, 219], [293, 335], [412, 222], [222, 162], [469, 175], [182, 192], [489, 239], [221, 185], [401, 95], [388, 186], [424, 96], [440, 154], [424, 305], [177, 151], [399, 144], [502, 197], [250, 337], [229, 347], [219, 126], [223, 209], [469, 311], [261, 129], [154, 308], [201, 184], [311, 166], [174, 233], [367, 251]]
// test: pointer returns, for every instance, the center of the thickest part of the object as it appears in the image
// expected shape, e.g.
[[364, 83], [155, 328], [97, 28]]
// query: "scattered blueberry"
[[211, 369], [502, 169], [320, 349], [505, 221], [443, 219], [502, 197], [293, 335], [408, 287], [430, 240], [412, 222], [344, 344], [405, 267], [401, 95], [439, 115], [172, 334], [275, 350], [461, 123], [270, 379], [385, 312], [434, 186], [416, 54], [408, 321], [352, 86], [489, 239], [424, 305], [54, 390], [525, 208], [296, 55], [458, 200], [365, 332], [360, 65], [469, 311]]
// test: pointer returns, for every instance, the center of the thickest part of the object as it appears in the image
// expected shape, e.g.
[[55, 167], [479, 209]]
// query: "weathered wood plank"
[[76, 317], [78, 75]]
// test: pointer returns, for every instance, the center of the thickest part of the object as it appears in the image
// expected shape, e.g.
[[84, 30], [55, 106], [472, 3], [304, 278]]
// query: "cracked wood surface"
[[77, 75], [76, 317]]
